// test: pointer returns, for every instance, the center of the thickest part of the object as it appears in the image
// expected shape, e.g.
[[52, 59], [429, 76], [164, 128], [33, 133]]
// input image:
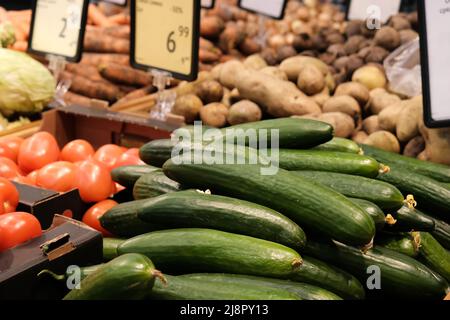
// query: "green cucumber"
[[110, 246], [340, 145], [432, 170], [428, 192], [329, 161], [310, 205], [303, 290], [446, 185], [128, 175], [373, 210], [182, 288], [154, 184], [384, 195], [442, 233], [400, 275], [129, 276], [156, 152], [403, 243], [434, 255], [410, 219], [195, 209], [204, 250]]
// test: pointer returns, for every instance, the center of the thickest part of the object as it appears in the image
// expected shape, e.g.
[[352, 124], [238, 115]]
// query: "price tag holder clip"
[[166, 98], [261, 37], [57, 64]]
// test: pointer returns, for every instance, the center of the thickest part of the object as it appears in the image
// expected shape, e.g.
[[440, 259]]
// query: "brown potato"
[[388, 38], [370, 76], [188, 106], [255, 62], [229, 72], [344, 104], [209, 91], [243, 112], [359, 136], [355, 90], [371, 124], [322, 97], [275, 72], [384, 140], [311, 80], [388, 117], [342, 123], [380, 99], [409, 119], [414, 147], [211, 26], [214, 115]]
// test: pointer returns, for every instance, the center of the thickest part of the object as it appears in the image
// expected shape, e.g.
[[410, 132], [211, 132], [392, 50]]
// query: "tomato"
[[6, 152], [18, 227], [93, 181], [24, 180], [58, 176], [92, 216], [13, 143], [8, 168], [129, 158], [9, 194], [2, 206], [32, 177], [77, 150], [109, 154], [37, 151]]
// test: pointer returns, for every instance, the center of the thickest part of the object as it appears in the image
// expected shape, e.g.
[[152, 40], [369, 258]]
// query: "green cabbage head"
[[26, 86], [7, 34]]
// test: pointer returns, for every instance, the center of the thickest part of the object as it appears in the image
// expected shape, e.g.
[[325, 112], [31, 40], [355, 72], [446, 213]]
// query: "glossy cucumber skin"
[[309, 205], [128, 175], [182, 288], [194, 209], [432, 170], [156, 152], [401, 276], [403, 243], [303, 290], [373, 210], [434, 255], [340, 145], [205, 250], [428, 192], [329, 161], [411, 219], [384, 195], [442, 233], [130, 277], [110, 246], [154, 184]]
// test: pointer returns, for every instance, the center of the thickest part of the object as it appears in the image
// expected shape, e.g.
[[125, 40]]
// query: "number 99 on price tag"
[[165, 36]]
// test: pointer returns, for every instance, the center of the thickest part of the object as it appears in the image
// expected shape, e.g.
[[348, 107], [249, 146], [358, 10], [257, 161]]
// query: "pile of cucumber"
[[337, 221]]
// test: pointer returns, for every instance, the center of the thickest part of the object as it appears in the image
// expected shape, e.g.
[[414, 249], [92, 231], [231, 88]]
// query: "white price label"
[[208, 4], [271, 8], [380, 10]]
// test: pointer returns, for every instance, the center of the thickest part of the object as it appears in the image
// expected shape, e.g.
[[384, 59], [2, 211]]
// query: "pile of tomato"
[[39, 161]]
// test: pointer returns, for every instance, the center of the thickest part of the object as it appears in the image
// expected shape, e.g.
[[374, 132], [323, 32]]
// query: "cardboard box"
[[67, 242]]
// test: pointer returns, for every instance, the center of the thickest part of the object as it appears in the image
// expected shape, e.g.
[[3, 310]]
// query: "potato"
[[383, 140], [408, 35], [371, 124], [211, 26], [188, 106], [275, 72], [370, 76], [355, 90], [294, 65], [414, 147], [359, 136], [215, 72], [255, 62], [388, 38], [388, 116], [437, 144], [243, 112], [226, 99], [311, 80], [344, 104], [322, 97], [409, 118], [209, 91], [381, 99], [228, 73], [342, 123], [214, 115]]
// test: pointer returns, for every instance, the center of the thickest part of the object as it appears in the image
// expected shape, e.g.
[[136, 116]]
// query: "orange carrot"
[[97, 59], [73, 98], [126, 75], [105, 44], [139, 93], [97, 17]]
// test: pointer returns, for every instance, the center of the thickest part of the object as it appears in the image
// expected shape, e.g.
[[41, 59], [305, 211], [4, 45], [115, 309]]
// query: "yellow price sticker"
[[58, 27], [165, 36]]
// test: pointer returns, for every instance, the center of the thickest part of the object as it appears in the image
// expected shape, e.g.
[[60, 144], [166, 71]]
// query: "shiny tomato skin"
[[60, 176], [129, 158], [37, 151], [17, 228], [13, 143], [8, 168], [9, 194], [6, 152], [2, 206], [32, 177], [77, 150], [93, 181], [109, 154], [94, 213]]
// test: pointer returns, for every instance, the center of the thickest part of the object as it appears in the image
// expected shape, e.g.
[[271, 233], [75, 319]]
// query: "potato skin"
[[370, 76], [188, 106], [310, 80], [355, 90], [210, 91], [214, 115], [342, 123], [344, 104], [384, 140], [243, 112]]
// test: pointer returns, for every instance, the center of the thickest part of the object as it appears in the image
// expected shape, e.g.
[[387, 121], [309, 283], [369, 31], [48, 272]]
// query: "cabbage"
[[26, 86], [7, 35]]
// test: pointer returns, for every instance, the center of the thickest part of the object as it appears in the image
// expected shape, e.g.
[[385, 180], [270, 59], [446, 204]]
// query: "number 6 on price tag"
[[165, 36]]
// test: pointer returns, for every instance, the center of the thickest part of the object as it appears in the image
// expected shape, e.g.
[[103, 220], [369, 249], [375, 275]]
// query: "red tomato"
[[59, 176], [6, 152], [93, 181], [109, 154], [32, 177], [9, 194], [2, 207], [92, 216], [8, 168], [13, 143], [77, 150], [37, 151], [18, 227], [24, 180], [129, 158]]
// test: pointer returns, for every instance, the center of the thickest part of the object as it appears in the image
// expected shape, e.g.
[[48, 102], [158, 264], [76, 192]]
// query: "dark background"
[[16, 4]]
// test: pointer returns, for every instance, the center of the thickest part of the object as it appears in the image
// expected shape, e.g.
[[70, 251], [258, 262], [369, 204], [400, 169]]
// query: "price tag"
[[57, 28], [165, 36], [208, 4], [435, 60], [271, 8], [122, 3], [380, 10]]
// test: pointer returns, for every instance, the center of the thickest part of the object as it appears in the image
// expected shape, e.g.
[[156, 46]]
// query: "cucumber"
[[194, 209], [410, 219], [432, 170], [316, 207], [428, 192], [303, 290], [128, 175], [434, 255], [384, 195], [156, 152], [130, 277], [400, 275], [373, 210], [442, 233], [403, 243], [183, 288], [204, 250], [154, 184], [446, 185], [329, 161], [110, 246], [340, 145]]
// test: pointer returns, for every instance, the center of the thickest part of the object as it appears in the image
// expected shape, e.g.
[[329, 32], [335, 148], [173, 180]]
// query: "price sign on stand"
[[57, 28], [271, 8], [122, 3], [380, 10], [435, 60], [208, 4]]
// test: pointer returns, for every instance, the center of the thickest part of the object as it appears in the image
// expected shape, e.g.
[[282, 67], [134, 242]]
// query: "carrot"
[[105, 44], [127, 89], [97, 59], [206, 56], [20, 46], [73, 98], [87, 71], [136, 94], [120, 19], [122, 32], [97, 17], [126, 75], [109, 9]]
